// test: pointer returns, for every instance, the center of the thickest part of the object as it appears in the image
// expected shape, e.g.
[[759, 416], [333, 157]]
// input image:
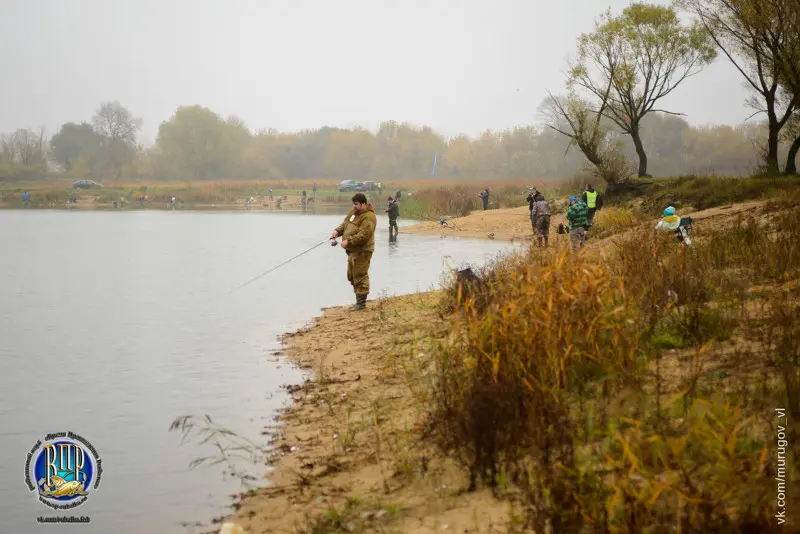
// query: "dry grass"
[[613, 220], [559, 391], [431, 200]]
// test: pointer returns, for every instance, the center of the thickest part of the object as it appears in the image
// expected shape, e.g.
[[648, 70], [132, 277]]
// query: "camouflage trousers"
[[358, 271], [542, 226]]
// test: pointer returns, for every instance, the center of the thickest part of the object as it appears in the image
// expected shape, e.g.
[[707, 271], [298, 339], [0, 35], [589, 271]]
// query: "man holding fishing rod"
[[358, 240]]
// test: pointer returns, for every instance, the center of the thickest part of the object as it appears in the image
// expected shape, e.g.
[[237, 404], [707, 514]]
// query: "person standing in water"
[[394, 211]]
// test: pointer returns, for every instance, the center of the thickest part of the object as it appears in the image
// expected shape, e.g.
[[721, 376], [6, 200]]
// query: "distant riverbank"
[[227, 196]]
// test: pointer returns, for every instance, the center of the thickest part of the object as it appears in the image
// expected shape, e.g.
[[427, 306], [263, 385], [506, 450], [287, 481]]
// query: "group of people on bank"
[[580, 214], [357, 231]]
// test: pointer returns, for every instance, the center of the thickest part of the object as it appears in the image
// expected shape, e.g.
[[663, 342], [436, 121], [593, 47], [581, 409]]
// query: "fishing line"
[[282, 264]]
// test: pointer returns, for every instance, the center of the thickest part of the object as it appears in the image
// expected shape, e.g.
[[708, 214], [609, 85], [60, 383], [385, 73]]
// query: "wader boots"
[[361, 303]]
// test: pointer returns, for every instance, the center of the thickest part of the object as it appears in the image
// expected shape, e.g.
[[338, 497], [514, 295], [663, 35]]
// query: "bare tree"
[[24, 147], [31, 147], [118, 129], [585, 128], [755, 36], [791, 134]]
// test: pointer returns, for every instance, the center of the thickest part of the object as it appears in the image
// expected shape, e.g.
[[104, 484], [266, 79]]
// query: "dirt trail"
[[352, 456], [514, 223]]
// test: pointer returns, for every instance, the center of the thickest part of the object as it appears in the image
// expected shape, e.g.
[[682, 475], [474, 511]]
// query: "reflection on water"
[[113, 324]]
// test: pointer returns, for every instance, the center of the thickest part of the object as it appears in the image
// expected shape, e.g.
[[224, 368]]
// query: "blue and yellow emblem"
[[66, 468]]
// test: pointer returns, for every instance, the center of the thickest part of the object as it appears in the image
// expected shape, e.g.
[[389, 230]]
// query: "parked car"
[[85, 184], [371, 186], [351, 185]]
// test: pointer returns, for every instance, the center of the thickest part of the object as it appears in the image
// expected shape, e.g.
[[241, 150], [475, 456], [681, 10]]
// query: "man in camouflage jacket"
[[358, 240]]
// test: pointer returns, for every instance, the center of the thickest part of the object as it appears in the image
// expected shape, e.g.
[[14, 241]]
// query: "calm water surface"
[[113, 324]]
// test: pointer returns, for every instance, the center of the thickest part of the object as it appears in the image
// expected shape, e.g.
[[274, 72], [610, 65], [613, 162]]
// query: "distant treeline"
[[197, 144], [610, 117]]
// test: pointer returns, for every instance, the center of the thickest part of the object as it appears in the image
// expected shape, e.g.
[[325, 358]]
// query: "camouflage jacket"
[[540, 208], [359, 230]]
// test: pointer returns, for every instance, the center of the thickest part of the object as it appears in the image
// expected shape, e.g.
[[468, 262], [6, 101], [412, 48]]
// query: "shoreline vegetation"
[[422, 200], [630, 387]]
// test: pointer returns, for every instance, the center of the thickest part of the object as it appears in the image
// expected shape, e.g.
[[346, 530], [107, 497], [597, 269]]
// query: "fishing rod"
[[332, 242]]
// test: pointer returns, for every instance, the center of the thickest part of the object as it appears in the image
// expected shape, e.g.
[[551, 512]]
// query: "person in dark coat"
[[394, 212]]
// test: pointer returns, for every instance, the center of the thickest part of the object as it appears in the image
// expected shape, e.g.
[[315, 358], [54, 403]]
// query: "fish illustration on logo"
[[66, 468]]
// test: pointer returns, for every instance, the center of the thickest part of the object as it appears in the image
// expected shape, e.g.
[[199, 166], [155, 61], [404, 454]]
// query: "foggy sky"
[[459, 66]]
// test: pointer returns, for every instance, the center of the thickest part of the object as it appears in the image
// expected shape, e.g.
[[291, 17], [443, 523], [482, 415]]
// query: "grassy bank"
[[703, 192], [634, 390]]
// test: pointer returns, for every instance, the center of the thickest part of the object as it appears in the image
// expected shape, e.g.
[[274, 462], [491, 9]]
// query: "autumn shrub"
[[613, 220], [505, 382], [458, 200], [553, 387]]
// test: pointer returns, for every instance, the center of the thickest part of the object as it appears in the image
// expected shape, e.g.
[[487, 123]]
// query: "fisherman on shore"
[[485, 196], [314, 192], [670, 222], [540, 217], [593, 201], [270, 193], [358, 240], [394, 211], [577, 216], [673, 223], [532, 193]]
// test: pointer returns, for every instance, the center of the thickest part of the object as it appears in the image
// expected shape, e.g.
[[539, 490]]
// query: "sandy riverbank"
[[514, 224], [352, 446], [509, 224]]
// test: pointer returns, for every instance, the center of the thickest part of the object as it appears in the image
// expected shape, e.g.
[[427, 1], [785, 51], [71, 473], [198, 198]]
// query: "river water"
[[114, 324]]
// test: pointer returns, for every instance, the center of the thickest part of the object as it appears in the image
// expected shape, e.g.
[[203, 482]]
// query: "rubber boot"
[[361, 303]]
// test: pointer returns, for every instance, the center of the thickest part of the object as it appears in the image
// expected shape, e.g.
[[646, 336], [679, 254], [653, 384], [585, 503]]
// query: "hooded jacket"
[[577, 215], [394, 210], [670, 222], [532, 199], [540, 208], [359, 230]]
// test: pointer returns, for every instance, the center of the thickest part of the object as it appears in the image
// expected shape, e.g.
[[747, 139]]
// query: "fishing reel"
[[334, 242]]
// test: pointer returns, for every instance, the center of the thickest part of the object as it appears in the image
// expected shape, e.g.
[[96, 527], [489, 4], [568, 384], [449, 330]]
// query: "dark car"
[[85, 184], [371, 186], [351, 185]]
